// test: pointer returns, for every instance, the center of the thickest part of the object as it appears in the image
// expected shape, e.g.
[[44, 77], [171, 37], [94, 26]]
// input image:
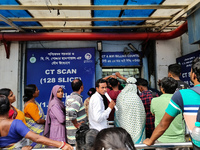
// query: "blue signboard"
[[48, 67], [186, 63], [116, 59]]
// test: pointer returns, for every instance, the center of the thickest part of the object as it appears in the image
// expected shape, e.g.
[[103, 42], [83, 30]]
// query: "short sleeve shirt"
[[32, 111], [185, 101], [176, 130], [18, 130]]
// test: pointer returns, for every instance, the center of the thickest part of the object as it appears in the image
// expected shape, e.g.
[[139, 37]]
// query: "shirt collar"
[[99, 95], [74, 93]]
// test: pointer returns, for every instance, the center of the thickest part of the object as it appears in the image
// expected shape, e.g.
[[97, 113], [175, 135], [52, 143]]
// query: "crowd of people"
[[142, 115]]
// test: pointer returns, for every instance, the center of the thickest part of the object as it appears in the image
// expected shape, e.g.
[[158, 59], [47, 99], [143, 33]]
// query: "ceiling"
[[94, 15]]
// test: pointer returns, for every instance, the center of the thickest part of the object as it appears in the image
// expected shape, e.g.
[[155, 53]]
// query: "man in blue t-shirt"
[[185, 101]]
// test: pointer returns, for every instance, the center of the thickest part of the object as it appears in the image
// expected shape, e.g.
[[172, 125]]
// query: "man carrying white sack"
[[97, 113]]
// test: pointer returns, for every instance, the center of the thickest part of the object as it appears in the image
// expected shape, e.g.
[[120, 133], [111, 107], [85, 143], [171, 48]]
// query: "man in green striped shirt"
[[75, 111]]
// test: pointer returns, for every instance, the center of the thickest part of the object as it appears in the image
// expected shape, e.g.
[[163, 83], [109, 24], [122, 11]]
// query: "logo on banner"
[[88, 58], [32, 59]]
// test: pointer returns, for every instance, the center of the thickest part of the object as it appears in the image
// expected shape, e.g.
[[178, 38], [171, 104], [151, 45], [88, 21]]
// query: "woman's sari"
[[35, 127], [12, 114], [15, 113], [131, 113]]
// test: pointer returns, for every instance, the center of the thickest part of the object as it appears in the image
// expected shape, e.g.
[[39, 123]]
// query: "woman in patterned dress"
[[34, 114], [131, 113]]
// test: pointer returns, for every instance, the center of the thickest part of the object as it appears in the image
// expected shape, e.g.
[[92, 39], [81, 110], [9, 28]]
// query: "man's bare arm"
[[160, 129]]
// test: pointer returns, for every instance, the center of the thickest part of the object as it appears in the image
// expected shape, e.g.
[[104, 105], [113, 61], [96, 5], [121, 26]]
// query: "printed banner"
[[48, 67], [186, 63], [120, 59]]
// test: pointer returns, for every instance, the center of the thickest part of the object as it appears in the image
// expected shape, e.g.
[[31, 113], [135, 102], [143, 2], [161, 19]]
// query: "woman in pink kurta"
[[55, 121]]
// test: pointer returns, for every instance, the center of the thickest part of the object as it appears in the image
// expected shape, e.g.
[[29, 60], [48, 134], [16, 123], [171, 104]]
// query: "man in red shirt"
[[146, 97], [114, 90]]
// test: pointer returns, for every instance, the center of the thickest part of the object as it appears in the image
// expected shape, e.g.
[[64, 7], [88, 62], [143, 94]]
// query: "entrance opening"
[[126, 72]]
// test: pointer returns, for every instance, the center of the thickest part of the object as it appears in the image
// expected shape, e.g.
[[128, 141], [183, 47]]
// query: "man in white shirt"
[[97, 113]]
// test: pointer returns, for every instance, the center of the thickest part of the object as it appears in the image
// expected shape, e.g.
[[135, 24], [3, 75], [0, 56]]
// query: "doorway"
[[126, 72]]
